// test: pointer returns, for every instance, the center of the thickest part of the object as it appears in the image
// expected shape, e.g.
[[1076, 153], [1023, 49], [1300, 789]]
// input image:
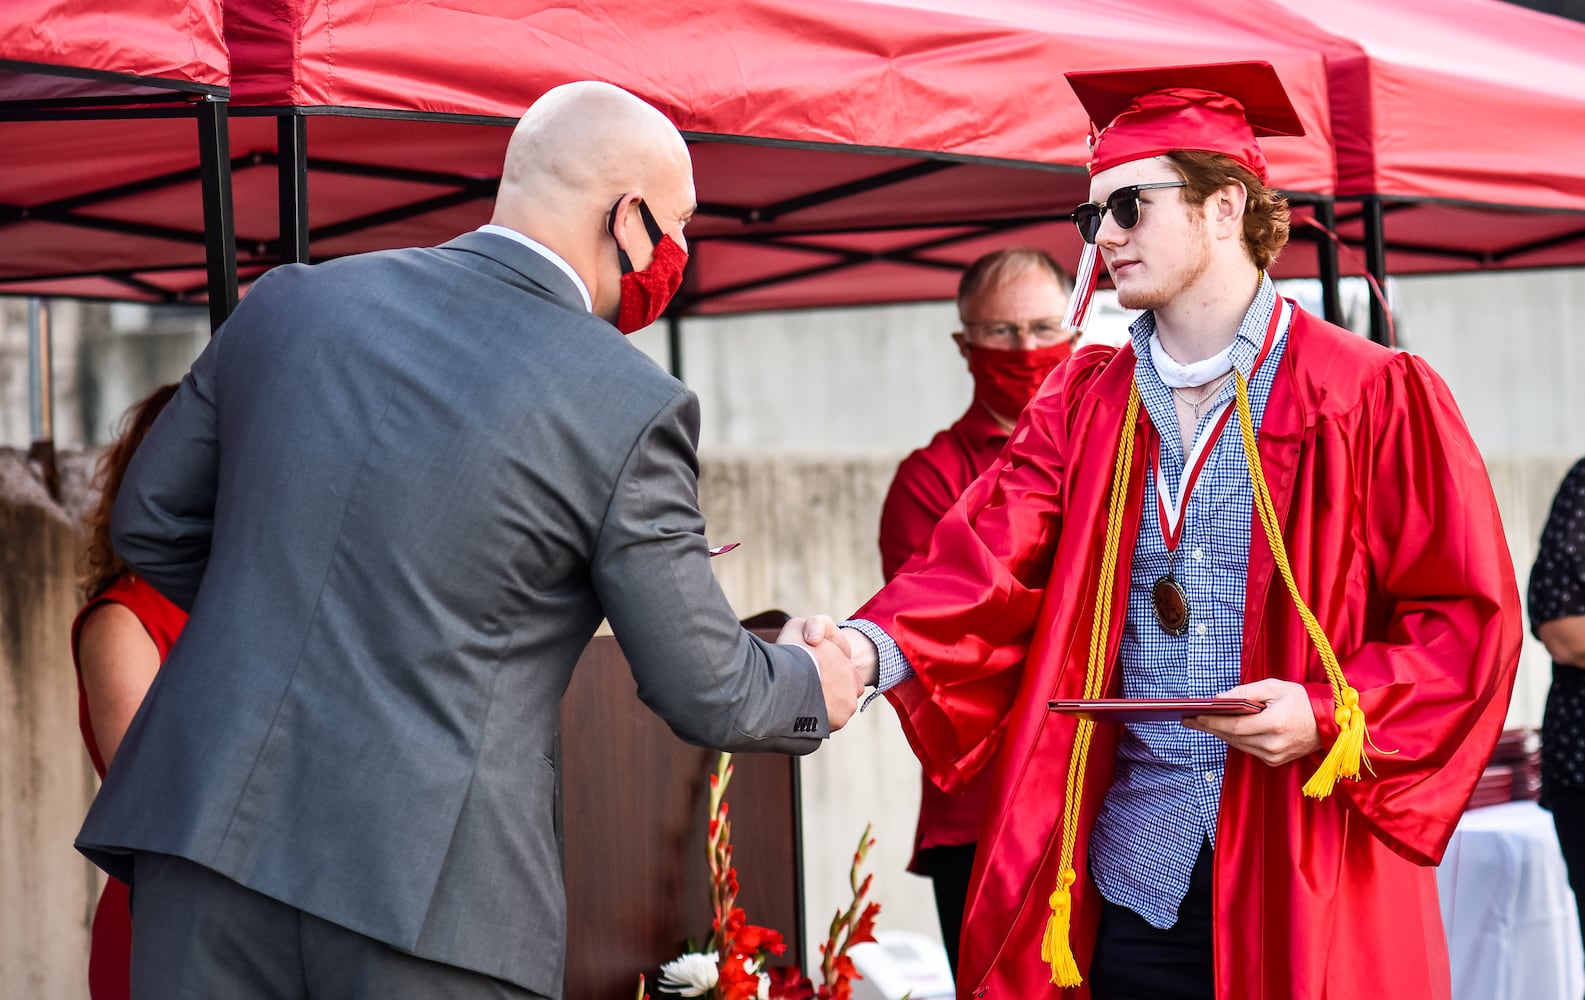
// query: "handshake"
[[846, 659]]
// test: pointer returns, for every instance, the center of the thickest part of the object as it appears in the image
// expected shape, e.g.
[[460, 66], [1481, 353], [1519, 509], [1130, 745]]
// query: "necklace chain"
[[1211, 388]]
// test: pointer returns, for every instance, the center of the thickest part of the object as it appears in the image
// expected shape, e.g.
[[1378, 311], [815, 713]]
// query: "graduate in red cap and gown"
[[1245, 502]]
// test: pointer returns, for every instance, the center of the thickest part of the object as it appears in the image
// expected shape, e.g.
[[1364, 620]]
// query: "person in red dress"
[[119, 640], [1360, 589], [1011, 303]]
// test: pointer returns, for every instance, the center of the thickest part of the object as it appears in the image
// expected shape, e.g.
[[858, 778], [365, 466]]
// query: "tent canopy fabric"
[[137, 91], [856, 151], [847, 152], [57, 50], [933, 76], [1476, 101], [1466, 116]]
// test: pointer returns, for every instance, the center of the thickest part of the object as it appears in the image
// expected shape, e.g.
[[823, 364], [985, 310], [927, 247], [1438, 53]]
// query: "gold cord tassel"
[[1054, 947], [1343, 760], [1348, 753]]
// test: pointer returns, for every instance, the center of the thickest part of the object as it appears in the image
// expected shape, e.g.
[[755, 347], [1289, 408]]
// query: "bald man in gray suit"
[[398, 492]]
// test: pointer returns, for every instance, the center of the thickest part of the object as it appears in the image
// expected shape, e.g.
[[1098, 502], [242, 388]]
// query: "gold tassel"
[[1348, 753], [1343, 760], [1054, 947]]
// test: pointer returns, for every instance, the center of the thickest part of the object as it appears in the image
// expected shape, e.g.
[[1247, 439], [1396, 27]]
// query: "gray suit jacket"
[[398, 492]]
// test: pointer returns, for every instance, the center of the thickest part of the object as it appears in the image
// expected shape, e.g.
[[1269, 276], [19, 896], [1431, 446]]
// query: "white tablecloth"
[[1512, 927]]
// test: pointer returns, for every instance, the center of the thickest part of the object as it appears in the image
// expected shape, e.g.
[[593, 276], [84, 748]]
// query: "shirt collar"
[[545, 252], [1246, 345]]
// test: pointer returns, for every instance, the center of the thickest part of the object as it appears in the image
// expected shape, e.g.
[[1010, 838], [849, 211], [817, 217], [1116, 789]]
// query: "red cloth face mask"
[[644, 295], [1005, 381]]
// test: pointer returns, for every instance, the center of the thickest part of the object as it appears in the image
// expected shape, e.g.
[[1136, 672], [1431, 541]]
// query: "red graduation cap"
[[1215, 108]]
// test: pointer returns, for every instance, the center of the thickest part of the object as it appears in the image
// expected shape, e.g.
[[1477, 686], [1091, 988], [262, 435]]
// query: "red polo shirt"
[[926, 484]]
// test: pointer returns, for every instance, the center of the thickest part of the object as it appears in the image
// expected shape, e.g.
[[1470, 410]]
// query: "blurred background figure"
[[1557, 617], [1011, 304], [119, 640]]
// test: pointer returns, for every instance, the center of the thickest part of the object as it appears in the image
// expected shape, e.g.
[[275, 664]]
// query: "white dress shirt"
[[545, 252]]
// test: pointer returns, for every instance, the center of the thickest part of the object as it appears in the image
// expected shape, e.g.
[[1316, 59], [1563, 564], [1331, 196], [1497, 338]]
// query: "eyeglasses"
[[1045, 331], [1122, 203]]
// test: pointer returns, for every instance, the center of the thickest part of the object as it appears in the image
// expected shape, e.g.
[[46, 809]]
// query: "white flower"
[[691, 975]]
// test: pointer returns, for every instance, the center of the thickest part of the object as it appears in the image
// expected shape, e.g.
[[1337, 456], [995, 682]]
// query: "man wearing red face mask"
[[397, 494], [1011, 303]]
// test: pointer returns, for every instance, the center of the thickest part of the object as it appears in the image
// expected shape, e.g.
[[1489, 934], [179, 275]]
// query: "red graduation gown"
[[1394, 538], [928, 482]]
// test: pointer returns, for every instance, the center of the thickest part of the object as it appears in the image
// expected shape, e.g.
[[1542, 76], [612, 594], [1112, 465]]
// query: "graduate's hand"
[[840, 680], [865, 656], [1284, 731]]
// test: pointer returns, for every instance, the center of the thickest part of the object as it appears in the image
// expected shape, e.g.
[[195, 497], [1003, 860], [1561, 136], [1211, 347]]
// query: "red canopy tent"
[[145, 49], [859, 151], [95, 106], [1460, 129]]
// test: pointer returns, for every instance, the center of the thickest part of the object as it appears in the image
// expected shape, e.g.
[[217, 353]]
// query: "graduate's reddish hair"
[[1266, 215]]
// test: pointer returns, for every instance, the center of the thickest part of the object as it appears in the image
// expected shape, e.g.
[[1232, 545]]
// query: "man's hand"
[[839, 678], [1283, 732], [865, 656]]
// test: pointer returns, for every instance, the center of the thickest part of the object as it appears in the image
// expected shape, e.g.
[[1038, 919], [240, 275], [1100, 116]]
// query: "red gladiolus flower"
[[738, 947], [789, 983], [751, 940], [737, 982], [864, 930]]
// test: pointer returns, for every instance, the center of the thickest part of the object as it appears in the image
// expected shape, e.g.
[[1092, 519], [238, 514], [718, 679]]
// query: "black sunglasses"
[[1122, 203]]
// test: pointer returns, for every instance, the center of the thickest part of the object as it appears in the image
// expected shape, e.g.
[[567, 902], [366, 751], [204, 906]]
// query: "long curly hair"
[[99, 565]]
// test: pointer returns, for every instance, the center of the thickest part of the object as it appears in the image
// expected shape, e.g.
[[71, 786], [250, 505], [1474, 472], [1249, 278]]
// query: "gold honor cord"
[[1348, 753], [1055, 947], [1343, 760]]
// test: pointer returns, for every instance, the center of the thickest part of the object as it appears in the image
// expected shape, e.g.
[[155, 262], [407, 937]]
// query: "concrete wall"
[[46, 781], [807, 525], [105, 357], [1512, 348]]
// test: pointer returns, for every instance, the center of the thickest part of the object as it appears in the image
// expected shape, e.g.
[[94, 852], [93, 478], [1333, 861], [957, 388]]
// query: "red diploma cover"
[[1151, 709]]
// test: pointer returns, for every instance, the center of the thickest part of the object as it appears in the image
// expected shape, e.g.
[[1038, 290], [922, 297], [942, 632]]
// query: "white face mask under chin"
[[1175, 375]]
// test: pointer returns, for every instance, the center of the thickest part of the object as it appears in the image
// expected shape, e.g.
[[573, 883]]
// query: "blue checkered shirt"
[[1163, 802]]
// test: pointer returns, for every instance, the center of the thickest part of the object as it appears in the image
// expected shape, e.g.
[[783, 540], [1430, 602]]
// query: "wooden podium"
[[633, 802]]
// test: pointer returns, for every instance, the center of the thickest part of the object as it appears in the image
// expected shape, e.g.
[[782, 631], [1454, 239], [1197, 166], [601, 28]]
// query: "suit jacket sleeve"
[[164, 514], [714, 683]]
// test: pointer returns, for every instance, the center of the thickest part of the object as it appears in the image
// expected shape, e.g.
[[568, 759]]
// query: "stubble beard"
[[1194, 261]]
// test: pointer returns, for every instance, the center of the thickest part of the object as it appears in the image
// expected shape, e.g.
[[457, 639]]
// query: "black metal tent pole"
[[220, 224], [1536, 246], [674, 344], [1376, 264], [104, 95], [291, 140], [1326, 266]]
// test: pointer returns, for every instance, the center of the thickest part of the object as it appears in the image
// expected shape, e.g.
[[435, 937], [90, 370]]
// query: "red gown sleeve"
[[1444, 602], [964, 610]]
